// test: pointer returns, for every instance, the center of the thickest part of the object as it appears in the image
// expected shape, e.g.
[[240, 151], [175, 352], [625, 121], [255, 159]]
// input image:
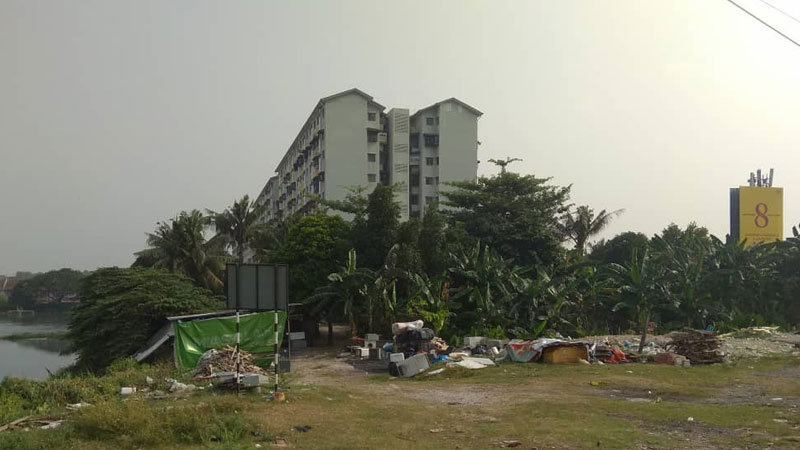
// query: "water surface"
[[32, 358]]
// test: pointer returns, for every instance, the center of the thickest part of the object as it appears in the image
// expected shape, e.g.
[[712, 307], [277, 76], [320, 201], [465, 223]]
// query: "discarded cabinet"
[[565, 354]]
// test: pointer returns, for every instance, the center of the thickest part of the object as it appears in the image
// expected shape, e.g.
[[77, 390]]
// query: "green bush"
[[121, 309]]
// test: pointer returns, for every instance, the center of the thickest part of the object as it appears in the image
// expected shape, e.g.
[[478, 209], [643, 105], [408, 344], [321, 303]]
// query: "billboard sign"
[[760, 214], [257, 287]]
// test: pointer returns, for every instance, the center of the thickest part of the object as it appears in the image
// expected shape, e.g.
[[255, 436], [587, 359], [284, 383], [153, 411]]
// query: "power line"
[[765, 23], [779, 10]]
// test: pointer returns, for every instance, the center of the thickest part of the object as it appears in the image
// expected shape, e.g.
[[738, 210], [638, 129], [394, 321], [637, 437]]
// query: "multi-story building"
[[349, 141]]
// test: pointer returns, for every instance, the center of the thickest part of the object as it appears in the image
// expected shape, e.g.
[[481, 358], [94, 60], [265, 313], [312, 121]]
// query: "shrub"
[[121, 308]]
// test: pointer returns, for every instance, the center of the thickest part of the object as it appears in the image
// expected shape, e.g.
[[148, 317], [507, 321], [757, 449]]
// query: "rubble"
[[224, 360], [699, 347]]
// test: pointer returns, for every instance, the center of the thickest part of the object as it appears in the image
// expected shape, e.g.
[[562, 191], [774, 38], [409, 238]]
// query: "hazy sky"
[[115, 115]]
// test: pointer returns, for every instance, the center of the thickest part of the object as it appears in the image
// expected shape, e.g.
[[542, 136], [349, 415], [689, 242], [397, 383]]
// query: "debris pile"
[[698, 346], [224, 360]]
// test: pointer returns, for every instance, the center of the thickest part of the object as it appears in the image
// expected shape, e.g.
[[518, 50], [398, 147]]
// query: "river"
[[32, 358]]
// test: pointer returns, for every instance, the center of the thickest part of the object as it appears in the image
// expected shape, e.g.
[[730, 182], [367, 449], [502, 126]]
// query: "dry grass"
[[542, 406]]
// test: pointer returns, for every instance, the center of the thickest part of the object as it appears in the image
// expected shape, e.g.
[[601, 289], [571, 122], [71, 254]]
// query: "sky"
[[115, 115]]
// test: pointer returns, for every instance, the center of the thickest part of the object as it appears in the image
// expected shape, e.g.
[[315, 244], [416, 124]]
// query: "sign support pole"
[[275, 306], [238, 336]]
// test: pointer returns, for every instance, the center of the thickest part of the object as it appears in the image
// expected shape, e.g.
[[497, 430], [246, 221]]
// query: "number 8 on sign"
[[761, 219]]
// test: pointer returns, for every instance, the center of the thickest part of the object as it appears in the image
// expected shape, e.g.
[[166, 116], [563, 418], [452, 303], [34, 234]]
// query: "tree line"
[[506, 255]]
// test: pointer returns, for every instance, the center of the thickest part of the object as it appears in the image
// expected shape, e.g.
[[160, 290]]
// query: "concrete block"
[[372, 337], [499, 343], [414, 365], [473, 341], [371, 344]]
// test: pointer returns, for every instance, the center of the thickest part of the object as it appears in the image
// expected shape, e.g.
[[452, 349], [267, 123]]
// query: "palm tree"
[[581, 225], [180, 246], [504, 163], [238, 225]]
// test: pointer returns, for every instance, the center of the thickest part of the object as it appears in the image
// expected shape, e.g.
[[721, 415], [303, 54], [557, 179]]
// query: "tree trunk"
[[330, 330], [644, 330]]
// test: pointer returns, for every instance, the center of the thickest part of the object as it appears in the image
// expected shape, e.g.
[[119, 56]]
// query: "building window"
[[429, 181], [372, 136], [429, 121], [431, 199], [371, 157], [371, 116], [437, 160], [372, 178], [431, 140], [413, 199], [429, 161]]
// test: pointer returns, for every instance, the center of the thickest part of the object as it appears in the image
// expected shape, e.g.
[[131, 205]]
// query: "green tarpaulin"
[[193, 338]]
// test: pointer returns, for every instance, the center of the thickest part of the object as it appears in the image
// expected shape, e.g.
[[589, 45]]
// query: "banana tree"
[[641, 288], [345, 289]]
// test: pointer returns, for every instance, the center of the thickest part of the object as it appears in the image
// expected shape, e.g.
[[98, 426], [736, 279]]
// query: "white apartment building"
[[348, 141]]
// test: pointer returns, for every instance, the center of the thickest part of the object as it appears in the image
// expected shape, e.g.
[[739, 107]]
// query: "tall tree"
[[312, 246], [180, 246], [579, 226], [378, 233], [515, 215], [433, 242], [49, 287], [239, 225], [618, 249]]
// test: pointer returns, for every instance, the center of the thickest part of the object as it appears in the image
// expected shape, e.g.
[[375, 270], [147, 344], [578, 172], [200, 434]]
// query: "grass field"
[[748, 404]]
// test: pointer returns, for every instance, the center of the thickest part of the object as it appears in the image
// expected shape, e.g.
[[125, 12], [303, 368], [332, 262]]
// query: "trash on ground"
[[79, 405], [303, 428], [224, 360], [699, 346]]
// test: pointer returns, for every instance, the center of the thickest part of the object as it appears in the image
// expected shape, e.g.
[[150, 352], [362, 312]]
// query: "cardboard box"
[[565, 354]]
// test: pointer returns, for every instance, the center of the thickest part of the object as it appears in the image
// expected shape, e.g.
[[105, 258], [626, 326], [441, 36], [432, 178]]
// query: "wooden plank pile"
[[224, 360], [699, 346]]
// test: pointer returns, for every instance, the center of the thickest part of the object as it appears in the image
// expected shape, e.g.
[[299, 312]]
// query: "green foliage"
[[515, 215], [347, 290], [618, 249], [180, 247], [581, 225], [312, 246], [378, 233], [238, 226], [121, 308], [48, 287], [408, 255], [137, 424], [433, 242]]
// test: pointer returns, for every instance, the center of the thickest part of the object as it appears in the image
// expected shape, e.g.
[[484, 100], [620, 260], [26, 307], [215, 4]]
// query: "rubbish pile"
[[224, 360], [698, 346]]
